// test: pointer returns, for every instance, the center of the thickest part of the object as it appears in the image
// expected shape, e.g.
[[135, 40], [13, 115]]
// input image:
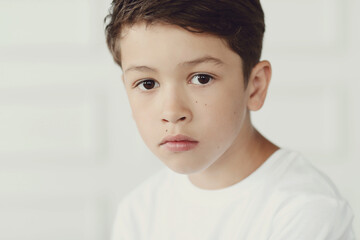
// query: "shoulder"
[[309, 206], [147, 194], [294, 174], [146, 191], [316, 217], [137, 208]]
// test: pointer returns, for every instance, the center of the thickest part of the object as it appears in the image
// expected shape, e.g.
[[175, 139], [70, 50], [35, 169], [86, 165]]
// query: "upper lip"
[[177, 138]]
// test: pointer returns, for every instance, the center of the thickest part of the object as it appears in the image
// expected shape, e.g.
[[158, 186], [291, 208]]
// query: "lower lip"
[[180, 146]]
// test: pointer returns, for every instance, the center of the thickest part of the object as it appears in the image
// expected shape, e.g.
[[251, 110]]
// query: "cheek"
[[143, 116], [224, 116], [144, 123], [140, 110], [147, 131]]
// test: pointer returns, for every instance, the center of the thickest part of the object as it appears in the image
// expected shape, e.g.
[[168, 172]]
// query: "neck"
[[237, 163]]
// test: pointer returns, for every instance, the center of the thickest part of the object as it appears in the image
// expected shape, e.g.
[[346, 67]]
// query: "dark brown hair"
[[239, 22]]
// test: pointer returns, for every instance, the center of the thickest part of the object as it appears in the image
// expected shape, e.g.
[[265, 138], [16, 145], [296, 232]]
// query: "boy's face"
[[180, 82]]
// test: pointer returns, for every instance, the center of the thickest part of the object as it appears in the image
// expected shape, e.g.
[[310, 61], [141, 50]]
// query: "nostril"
[[173, 119]]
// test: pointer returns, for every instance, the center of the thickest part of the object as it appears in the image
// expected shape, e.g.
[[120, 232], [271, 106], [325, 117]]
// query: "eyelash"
[[212, 78]]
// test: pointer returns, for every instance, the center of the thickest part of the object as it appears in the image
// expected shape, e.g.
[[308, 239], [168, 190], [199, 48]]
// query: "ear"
[[258, 85]]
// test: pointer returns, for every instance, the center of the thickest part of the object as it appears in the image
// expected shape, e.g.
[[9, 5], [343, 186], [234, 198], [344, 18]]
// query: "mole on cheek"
[[205, 104], [195, 101], [166, 130]]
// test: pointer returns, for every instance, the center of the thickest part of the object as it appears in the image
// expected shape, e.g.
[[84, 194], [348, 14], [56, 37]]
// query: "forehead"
[[170, 45]]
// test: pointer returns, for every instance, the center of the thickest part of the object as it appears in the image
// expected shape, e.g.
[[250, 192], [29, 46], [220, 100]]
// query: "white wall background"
[[69, 149]]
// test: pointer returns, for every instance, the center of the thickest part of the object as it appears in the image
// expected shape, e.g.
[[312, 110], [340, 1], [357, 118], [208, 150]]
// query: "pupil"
[[203, 79], [149, 84]]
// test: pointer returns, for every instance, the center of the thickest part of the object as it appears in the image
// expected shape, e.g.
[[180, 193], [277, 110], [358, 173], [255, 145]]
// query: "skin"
[[216, 114]]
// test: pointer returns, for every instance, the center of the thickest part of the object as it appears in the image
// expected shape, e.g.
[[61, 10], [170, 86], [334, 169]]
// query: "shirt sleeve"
[[319, 219]]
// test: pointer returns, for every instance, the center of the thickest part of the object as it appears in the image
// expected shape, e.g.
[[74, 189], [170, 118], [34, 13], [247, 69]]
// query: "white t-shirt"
[[286, 198]]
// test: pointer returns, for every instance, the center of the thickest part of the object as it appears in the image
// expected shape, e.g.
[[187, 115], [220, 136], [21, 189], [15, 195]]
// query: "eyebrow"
[[194, 62]]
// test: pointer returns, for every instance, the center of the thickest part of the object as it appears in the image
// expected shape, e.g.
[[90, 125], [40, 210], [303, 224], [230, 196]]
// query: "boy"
[[192, 73]]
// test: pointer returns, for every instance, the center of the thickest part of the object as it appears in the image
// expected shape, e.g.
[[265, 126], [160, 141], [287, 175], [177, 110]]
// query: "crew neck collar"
[[189, 192]]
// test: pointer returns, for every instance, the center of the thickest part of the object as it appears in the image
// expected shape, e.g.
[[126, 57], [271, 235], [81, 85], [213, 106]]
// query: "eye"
[[146, 85], [201, 79]]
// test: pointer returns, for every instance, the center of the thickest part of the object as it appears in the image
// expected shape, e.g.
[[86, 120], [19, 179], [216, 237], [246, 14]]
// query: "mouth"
[[178, 143]]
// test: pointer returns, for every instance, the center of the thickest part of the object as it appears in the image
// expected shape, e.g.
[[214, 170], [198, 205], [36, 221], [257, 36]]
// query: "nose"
[[175, 108]]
